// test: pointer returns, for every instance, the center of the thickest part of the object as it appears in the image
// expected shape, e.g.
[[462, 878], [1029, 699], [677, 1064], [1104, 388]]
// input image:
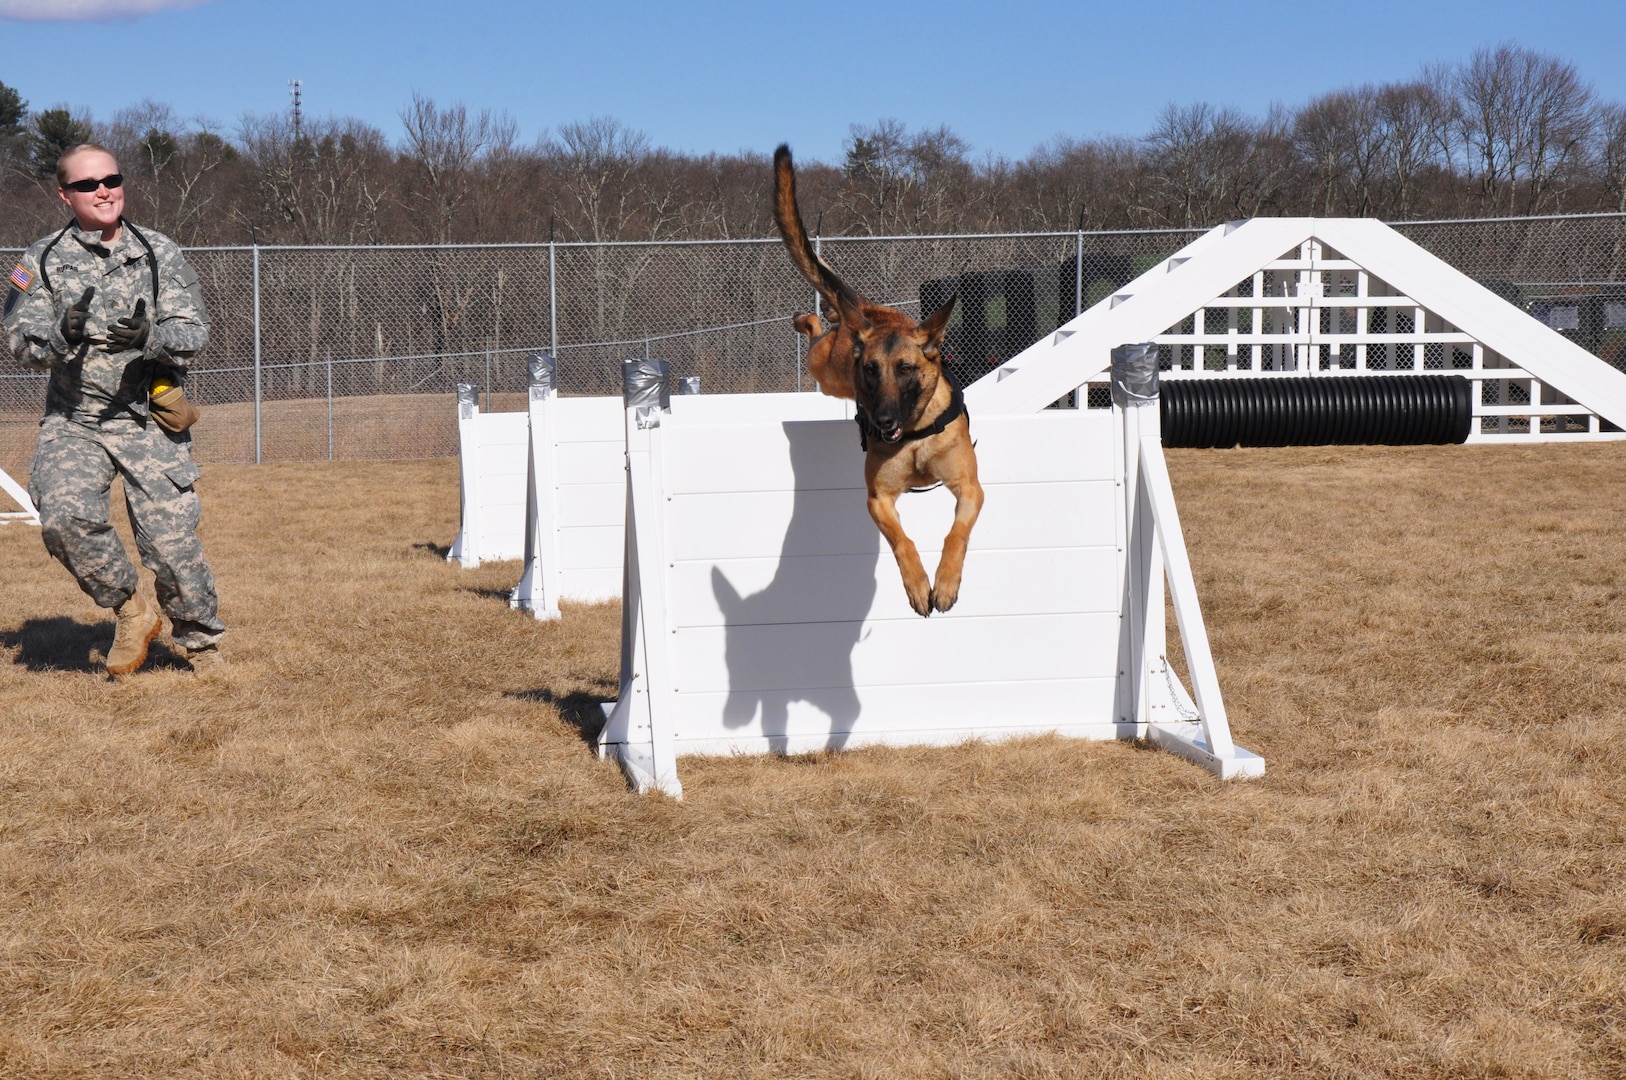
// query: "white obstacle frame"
[[1059, 627], [1304, 288], [28, 514]]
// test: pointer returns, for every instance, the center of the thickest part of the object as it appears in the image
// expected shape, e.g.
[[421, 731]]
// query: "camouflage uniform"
[[97, 425]]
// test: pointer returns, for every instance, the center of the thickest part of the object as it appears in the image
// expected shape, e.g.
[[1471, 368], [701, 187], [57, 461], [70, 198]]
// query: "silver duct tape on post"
[[544, 371], [1134, 374], [646, 387], [688, 385], [468, 400]]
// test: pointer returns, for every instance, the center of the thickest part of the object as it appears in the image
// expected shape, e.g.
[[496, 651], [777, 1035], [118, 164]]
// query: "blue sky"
[[725, 75]]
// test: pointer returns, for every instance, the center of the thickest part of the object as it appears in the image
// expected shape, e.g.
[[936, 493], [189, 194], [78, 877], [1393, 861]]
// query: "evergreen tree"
[[54, 131]]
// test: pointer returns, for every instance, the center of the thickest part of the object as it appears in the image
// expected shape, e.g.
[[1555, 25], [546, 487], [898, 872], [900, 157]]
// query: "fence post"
[[1078, 275], [330, 404], [256, 353], [553, 302], [818, 252]]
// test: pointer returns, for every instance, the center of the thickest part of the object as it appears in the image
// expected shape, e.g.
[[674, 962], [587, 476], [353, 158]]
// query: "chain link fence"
[[335, 352]]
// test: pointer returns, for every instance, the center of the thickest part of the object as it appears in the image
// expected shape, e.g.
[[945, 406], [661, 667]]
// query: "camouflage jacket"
[[88, 383]]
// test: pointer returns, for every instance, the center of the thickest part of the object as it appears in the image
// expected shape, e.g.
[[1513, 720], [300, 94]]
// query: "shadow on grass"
[[580, 710], [492, 594], [58, 643], [163, 655], [439, 551], [61, 643]]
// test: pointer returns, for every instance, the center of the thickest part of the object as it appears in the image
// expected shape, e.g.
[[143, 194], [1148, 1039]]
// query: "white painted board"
[[787, 614]]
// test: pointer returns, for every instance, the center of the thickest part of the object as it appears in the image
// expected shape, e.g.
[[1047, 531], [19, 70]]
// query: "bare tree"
[[1211, 164], [444, 145], [326, 185], [1340, 141], [599, 159], [898, 181], [175, 161], [1416, 125], [602, 163], [1612, 155], [1526, 119], [1069, 184]]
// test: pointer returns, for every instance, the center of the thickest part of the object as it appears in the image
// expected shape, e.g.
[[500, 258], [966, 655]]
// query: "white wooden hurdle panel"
[[765, 614], [576, 494], [492, 451], [575, 490]]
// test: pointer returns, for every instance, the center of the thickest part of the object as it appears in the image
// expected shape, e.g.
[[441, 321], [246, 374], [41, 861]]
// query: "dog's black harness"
[[867, 429]]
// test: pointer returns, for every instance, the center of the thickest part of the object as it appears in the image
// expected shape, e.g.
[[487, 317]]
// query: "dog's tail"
[[789, 219]]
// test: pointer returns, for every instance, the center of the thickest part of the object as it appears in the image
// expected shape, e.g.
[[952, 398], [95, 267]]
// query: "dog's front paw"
[[920, 595], [947, 589]]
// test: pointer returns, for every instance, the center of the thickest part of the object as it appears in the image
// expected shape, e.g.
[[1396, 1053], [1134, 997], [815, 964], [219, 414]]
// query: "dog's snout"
[[888, 422]]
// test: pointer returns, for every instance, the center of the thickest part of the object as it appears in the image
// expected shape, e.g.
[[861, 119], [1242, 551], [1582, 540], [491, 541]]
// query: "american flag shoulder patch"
[[21, 278]]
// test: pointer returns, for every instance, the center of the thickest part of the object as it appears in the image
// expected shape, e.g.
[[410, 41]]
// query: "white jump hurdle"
[[763, 613], [577, 491], [574, 495], [548, 485], [492, 452]]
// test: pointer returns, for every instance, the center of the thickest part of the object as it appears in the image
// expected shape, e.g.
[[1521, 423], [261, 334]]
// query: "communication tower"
[[295, 91]]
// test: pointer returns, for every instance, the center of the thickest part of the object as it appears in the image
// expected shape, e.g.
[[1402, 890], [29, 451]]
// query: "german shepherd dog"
[[911, 417]]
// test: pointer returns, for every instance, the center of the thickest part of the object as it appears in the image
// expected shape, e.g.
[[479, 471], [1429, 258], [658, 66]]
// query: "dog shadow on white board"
[[789, 645]]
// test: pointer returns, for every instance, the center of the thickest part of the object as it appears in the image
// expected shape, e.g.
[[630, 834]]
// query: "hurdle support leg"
[[538, 588], [465, 548], [1206, 739], [639, 727], [1155, 554]]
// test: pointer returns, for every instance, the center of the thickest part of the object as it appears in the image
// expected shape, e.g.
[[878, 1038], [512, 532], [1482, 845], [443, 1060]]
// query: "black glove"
[[73, 323], [131, 331]]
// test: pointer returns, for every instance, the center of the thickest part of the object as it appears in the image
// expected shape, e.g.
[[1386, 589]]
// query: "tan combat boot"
[[139, 622]]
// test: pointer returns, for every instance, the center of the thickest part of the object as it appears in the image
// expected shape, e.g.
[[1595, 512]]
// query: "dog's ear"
[[930, 332]]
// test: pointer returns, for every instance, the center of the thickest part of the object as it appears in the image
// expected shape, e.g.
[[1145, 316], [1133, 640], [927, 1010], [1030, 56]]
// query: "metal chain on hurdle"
[[1175, 694]]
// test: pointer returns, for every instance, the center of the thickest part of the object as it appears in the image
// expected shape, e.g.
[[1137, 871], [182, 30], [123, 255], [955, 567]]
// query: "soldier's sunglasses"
[[87, 186]]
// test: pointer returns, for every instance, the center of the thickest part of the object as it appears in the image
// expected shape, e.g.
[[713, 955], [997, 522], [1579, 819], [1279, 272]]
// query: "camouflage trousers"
[[70, 479]]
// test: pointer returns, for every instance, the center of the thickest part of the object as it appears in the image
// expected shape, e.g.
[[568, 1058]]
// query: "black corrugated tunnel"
[[1372, 410]]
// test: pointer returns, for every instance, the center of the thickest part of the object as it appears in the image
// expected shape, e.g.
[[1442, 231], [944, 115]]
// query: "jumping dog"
[[911, 417]]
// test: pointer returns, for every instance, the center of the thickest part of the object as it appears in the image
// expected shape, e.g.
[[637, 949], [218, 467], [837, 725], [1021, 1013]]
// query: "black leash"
[[152, 264], [152, 259]]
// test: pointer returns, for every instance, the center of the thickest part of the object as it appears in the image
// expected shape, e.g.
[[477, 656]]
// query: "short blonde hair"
[[73, 152]]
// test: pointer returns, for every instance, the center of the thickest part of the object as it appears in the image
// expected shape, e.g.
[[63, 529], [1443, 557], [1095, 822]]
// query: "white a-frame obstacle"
[[763, 613], [1327, 297]]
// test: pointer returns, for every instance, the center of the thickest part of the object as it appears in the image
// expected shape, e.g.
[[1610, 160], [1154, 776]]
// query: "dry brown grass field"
[[378, 844], [370, 426]]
